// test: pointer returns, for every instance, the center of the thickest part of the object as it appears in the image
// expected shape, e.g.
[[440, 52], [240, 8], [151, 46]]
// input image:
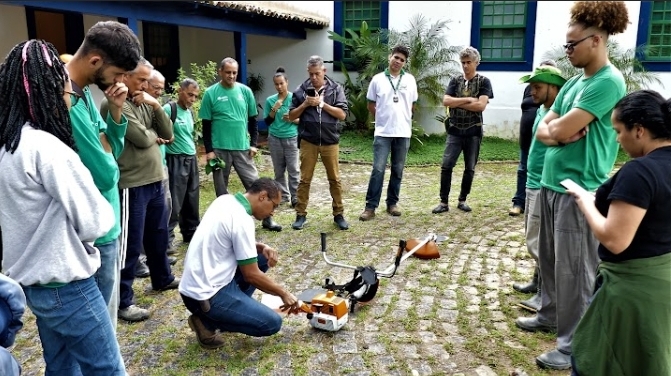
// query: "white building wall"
[[503, 113]]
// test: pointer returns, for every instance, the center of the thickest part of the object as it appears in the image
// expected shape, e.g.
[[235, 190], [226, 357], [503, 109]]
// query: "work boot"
[[528, 288], [270, 224], [300, 222], [206, 338], [367, 214], [141, 269], [394, 211], [531, 324], [341, 222], [515, 211], [554, 359], [133, 313], [532, 304]]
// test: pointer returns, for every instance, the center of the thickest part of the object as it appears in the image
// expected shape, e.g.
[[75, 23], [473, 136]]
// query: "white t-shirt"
[[393, 119], [224, 239]]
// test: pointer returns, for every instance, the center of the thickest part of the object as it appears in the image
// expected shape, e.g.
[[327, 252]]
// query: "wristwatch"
[[321, 104]]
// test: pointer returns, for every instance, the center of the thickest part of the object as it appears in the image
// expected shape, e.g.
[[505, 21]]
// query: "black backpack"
[[173, 112]]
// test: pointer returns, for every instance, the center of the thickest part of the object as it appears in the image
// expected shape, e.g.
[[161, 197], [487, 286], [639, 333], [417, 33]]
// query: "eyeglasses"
[[571, 46], [157, 87], [275, 204], [77, 97]]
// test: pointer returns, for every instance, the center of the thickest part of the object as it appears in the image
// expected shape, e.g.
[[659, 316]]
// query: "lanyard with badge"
[[398, 84]]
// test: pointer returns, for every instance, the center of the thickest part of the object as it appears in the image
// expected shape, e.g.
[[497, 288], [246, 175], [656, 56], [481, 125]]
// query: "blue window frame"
[[504, 34], [349, 15], [654, 31]]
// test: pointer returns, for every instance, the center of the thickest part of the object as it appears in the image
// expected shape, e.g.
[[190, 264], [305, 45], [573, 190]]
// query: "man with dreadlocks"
[[109, 50], [51, 214], [582, 147]]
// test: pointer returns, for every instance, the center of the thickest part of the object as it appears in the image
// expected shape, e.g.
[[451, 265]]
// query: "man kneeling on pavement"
[[224, 265]]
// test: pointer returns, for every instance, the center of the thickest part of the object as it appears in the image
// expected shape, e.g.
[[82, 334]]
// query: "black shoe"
[[294, 203], [300, 222], [532, 304], [531, 324], [554, 359], [463, 206], [172, 260], [528, 288], [141, 269], [174, 285], [270, 224], [441, 208], [341, 222]]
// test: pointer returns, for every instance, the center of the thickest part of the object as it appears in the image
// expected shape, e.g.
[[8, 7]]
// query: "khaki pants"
[[308, 156]]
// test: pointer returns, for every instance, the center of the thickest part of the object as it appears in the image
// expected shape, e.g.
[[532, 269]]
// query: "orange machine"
[[327, 311], [328, 308]]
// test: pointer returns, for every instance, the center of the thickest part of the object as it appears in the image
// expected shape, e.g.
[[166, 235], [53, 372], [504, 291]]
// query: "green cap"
[[545, 74]]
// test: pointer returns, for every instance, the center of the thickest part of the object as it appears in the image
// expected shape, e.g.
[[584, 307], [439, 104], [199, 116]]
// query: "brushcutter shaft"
[[326, 259], [392, 268]]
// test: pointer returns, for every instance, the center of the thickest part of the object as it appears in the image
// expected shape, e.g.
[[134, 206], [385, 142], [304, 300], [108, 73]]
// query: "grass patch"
[[357, 147]]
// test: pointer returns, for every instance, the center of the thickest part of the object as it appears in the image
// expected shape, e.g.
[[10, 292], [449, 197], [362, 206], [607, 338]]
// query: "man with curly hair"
[[582, 147]]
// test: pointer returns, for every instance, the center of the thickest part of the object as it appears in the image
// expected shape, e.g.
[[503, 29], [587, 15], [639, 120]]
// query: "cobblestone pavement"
[[450, 316]]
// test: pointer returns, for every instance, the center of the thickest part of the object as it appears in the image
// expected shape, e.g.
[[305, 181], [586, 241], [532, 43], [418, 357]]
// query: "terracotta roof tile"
[[275, 9]]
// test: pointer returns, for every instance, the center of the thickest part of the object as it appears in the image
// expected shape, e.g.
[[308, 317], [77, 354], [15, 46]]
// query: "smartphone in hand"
[[573, 186], [311, 92]]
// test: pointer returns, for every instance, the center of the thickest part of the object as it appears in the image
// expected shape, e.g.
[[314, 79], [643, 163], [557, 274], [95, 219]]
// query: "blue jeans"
[[106, 276], [8, 364], [232, 309], [75, 330], [470, 145], [382, 146], [520, 192]]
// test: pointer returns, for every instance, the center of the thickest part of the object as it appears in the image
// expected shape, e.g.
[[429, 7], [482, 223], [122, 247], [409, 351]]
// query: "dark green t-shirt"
[[536, 153], [229, 110], [589, 160], [183, 132]]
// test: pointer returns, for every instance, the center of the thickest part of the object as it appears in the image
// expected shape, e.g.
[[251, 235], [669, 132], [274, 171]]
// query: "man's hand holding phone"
[[311, 97]]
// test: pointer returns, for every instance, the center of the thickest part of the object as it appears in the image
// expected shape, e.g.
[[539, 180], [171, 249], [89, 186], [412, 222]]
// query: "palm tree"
[[635, 75], [433, 61]]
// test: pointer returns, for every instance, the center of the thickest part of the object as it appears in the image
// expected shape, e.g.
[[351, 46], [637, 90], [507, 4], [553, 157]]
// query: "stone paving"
[[450, 316]]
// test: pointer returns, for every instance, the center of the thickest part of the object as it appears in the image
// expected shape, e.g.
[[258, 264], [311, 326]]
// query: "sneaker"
[[341, 222], [141, 269], [172, 260], [367, 214], [171, 248], [300, 222], [394, 211], [170, 286], [133, 313], [206, 338], [515, 211]]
